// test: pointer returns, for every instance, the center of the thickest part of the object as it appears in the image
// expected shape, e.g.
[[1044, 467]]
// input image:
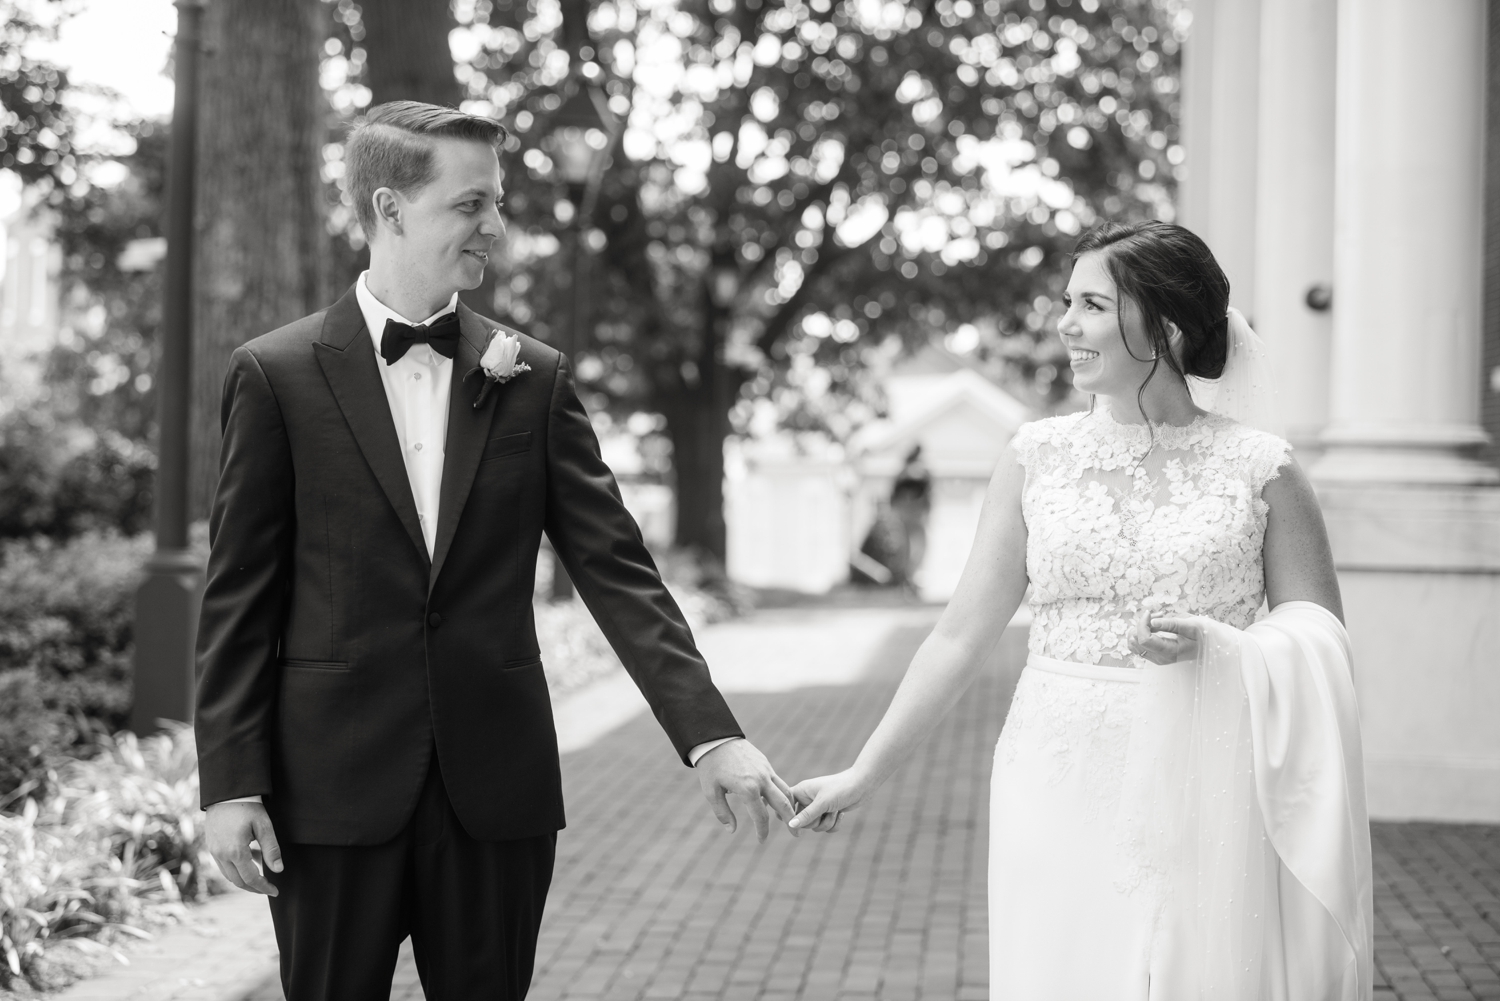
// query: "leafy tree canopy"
[[36, 125], [835, 175]]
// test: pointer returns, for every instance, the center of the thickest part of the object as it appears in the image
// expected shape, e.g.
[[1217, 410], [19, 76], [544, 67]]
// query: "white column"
[[1294, 206], [1413, 517], [1220, 95], [1408, 245]]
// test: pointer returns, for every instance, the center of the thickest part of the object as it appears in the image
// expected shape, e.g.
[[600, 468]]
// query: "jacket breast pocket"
[[506, 445], [297, 664]]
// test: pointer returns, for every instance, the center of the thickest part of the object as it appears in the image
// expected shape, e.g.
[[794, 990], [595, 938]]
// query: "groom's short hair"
[[391, 147]]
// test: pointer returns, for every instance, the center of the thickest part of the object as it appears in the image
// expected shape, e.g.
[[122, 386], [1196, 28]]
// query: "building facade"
[[1342, 161], [29, 298]]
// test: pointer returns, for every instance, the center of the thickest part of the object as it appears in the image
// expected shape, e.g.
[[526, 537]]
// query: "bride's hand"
[[1163, 639], [821, 801]]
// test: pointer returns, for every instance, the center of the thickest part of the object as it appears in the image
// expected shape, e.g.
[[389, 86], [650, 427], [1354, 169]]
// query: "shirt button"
[[417, 376], [418, 446], [434, 620]]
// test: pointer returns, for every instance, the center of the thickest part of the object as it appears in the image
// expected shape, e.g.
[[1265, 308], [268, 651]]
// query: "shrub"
[[66, 627], [113, 850], [60, 479], [29, 733], [574, 651]]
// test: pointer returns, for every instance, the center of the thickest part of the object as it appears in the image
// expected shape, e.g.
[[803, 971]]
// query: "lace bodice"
[[1115, 524]]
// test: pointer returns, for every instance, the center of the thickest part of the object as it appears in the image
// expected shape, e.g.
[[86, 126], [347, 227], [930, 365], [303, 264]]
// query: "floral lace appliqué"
[[1072, 723], [1116, 523]]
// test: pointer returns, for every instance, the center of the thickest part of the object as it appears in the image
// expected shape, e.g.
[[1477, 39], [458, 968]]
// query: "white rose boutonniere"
[[498, 363]]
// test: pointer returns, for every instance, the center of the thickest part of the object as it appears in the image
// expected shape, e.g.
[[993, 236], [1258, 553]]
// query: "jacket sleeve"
[[601, 547], [244, 600]]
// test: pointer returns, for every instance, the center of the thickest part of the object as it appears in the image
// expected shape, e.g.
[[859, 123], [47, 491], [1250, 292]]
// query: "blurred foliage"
[[62, 479], [111, 233], [30, 733], [66, 625], [36, 124], [75, 453], [113, 849]]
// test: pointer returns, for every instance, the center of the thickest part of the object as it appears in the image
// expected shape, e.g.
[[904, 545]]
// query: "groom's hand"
[[229, 830], [737, 768]]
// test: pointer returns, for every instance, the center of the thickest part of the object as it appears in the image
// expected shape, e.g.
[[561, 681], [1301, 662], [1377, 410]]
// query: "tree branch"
[[782, 318]]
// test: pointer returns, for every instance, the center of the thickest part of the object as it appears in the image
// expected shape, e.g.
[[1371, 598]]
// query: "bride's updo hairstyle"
[[1170, 275]]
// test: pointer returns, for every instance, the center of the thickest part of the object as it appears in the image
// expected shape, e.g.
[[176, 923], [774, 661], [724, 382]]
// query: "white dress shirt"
[[416, 387]]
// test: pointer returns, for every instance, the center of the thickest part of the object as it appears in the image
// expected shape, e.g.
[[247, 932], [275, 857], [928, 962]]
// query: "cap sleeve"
[[1026, 441], [1267, 454]]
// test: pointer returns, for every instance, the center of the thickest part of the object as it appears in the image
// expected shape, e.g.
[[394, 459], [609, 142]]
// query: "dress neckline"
[[1171, 437], [1104, 408]]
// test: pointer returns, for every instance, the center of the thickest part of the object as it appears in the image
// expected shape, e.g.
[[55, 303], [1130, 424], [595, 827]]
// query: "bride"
[[1177, 803]]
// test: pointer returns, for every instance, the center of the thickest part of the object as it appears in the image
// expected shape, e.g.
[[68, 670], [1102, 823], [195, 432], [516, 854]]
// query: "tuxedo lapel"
[[348, 360], [468, 430]]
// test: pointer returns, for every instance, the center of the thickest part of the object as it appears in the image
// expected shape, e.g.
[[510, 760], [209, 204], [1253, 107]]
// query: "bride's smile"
[[1104, 362]]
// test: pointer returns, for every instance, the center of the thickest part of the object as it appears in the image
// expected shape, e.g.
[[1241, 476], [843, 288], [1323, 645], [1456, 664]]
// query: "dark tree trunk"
[[698, 425], [406, 42], [697, 412], [409, 59], [259, 227]]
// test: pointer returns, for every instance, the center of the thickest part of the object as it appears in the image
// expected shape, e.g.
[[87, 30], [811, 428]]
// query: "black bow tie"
[[441, 335]]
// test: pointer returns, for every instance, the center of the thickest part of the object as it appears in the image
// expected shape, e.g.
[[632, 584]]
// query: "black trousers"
[[472, 909]]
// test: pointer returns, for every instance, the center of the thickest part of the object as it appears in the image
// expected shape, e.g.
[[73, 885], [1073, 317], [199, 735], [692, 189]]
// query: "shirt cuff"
[[241, 799], [708, 745]]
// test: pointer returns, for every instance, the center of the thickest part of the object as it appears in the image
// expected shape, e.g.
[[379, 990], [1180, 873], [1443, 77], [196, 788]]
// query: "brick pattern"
[[653, 901], [1437, 912]]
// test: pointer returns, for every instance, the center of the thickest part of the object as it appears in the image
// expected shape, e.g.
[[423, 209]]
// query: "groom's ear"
[[388, 209]]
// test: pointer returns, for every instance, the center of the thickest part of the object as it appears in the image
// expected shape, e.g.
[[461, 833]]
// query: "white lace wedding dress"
[[1116, 523]]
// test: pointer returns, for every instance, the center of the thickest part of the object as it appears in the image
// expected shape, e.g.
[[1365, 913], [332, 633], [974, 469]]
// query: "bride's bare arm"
[[988, 593], [1298, 560]]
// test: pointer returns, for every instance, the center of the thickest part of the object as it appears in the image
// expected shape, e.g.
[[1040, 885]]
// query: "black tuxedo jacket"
[[333, 655]]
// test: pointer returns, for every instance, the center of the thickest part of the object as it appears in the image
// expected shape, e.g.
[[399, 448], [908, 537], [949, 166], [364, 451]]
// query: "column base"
[[1419, 568], [1412, 529], [166, 633], [1434, 455]]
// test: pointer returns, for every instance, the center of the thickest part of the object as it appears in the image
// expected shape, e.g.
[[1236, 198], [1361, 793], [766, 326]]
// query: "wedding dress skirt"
[[1187, 832], [1063, 924]]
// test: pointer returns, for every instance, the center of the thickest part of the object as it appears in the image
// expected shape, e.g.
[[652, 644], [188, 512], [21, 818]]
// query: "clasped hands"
[[242, 839], [738, 768]]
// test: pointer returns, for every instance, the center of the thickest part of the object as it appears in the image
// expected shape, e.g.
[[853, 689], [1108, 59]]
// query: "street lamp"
[[166, 606], [582, 131]]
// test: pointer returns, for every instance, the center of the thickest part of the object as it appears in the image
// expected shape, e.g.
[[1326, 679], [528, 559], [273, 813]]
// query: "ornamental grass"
[[111, 851]]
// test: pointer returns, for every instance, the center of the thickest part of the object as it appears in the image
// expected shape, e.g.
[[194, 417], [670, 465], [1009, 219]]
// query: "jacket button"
[[434, 620]]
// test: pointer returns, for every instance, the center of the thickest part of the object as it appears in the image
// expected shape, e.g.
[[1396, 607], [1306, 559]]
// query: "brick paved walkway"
[[652, 900]]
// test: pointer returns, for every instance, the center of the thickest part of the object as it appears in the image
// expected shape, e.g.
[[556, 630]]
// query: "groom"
[[372, 710]]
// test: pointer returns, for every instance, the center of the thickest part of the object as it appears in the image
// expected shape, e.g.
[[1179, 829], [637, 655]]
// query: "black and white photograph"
[[750, 500]]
